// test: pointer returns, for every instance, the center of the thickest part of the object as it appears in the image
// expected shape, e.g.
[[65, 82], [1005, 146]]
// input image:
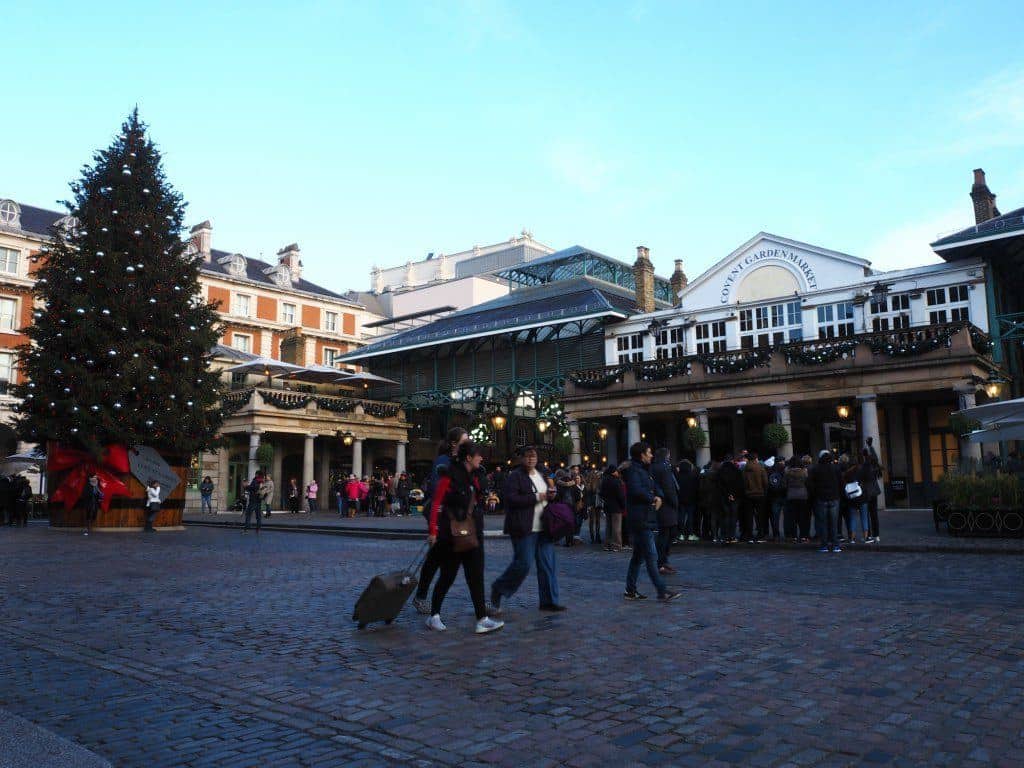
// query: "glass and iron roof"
[[578, 261], [564, 301]]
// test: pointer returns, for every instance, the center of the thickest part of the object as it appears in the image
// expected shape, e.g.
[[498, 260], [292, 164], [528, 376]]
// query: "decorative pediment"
[[772, 267]]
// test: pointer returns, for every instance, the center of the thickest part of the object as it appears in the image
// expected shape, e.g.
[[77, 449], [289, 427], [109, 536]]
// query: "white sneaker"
[[435, 623], [487, 624]]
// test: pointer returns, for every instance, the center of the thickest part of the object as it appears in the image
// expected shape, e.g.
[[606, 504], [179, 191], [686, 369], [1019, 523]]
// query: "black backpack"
[[776, 481]]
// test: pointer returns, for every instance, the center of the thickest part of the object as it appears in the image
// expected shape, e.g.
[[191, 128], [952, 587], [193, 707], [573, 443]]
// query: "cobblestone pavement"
[[213, 648]]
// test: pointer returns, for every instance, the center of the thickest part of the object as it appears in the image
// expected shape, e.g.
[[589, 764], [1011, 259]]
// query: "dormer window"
[[10, 214], [67, 226], [234, 264]]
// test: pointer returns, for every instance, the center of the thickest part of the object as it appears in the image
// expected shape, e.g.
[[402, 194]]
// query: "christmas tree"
[[121, 345]]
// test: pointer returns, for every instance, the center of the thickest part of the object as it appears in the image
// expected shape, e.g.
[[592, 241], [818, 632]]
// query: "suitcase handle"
[[420, 555]]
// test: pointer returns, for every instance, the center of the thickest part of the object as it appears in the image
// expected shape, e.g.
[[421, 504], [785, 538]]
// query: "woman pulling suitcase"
[[457, 534]]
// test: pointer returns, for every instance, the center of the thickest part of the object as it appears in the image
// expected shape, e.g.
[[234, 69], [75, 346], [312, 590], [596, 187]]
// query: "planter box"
[[997, 522], [126, 513]]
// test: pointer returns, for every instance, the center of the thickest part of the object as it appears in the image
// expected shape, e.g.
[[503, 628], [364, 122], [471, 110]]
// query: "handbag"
[[853, 490], [463, 531], [558, 520]]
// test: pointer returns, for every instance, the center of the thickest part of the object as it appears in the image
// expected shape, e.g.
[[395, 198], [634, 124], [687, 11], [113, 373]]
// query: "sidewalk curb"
[[409, 534]]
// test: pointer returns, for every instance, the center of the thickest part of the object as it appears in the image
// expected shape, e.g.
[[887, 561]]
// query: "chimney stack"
[[679, 282], [643, 276], [983, 199], [201, 236], [289, 256]]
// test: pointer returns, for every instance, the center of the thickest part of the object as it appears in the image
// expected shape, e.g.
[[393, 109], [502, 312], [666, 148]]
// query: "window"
[[330, 321], [771, 325], [288, 313], [890, 313], [631, 348], [668, 343], [331, 356], [9, 261], [243, 305], [953, 303], [242, 342], [6, 367], [710, 337], [835, 320], [8, 314]]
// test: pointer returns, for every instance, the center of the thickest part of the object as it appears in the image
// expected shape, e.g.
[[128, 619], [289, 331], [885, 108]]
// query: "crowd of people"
[[15, 495], [646, 504]]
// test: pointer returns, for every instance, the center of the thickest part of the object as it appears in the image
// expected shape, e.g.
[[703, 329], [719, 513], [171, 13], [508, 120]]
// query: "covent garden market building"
[[587, 355]]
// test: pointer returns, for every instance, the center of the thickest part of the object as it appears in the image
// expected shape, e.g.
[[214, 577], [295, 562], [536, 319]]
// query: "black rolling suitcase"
[[386, 595]]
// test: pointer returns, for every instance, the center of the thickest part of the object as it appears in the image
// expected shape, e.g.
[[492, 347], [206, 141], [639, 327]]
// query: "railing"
[[900, 343], [287, 400]]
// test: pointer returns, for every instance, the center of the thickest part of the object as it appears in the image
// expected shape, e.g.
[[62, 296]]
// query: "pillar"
[[869, 428], [324, 480], [400, 448], [672, 438], [966, 399], [782, 419], [357, 457], [575, 456], [632, 430], [611, 446], [221, 488], [276, 472], [307, 461], [703, 453], [254, 447]]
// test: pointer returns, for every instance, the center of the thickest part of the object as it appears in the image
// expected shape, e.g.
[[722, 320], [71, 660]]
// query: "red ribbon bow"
[[82, 465]]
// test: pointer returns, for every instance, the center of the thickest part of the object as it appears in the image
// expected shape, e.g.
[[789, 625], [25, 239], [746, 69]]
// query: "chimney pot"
[[983, 199], [643, 252], [643, 276]]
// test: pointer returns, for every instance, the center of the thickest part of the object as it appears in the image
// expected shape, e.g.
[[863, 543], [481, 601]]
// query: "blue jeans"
[[207, 503], [536, 548], [777, 510], [341, 504], [644, 549], [828, 516], [859, 518]]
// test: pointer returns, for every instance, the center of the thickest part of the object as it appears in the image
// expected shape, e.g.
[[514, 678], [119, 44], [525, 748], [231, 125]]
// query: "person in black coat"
[[668, 513], [825, 483], [731, 492], [613, 494], [526, 493], [689, 487]]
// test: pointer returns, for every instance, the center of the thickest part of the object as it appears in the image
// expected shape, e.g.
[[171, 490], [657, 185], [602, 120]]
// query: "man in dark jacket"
[[689, 482], [668, 514], [824, 482], [643, 500], [731, 492], [526, 493]]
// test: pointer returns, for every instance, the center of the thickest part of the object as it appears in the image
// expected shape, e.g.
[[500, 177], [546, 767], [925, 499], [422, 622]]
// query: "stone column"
[[672, 438], [782, 419], [400, 448], [220, 491], [967, 399], [357, 457], [324, 481], [276, 473], [869, 428], [254, 447], [307, 461], [632, 430], [704, 453], [575, 456]]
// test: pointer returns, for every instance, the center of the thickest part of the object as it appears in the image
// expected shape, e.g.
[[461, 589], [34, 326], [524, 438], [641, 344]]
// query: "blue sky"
[[376, 132]]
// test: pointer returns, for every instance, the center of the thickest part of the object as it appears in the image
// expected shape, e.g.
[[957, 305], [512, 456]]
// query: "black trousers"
[[728, 519], [250, 510], [666, 536], [472, 563], [873, 515], [430, 565]]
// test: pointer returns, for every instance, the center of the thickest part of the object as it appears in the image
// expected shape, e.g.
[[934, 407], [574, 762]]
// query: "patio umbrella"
[[21, 462], [314, 374], [997, 432], [993, 412], [265, 365], [364, 378]]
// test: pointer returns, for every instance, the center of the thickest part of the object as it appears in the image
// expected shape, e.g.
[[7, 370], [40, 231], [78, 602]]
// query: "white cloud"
[[999, 99]]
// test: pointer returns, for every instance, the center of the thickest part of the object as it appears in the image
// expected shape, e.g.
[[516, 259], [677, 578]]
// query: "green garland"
[[599, 379], [659, 370], [233, 402], [736, 362], [290, 402], [381, 410], [981, 341], [336, 406], [884, 344], [819, 353]]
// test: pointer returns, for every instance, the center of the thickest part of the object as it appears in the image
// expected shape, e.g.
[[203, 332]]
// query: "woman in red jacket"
[[455, 498]]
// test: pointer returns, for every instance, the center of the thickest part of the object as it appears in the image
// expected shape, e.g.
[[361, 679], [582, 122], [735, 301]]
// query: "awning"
[[997, 422]]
